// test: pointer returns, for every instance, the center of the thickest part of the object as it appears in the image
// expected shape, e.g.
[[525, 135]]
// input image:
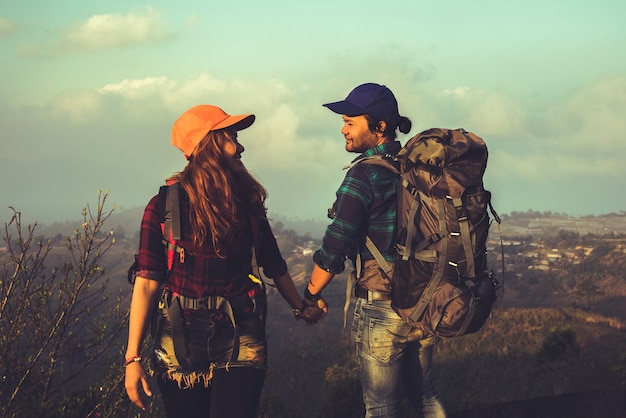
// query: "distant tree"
[[59, 326], [118, 232], [558, 346], [58, 238], [586, 289], [277, 227]]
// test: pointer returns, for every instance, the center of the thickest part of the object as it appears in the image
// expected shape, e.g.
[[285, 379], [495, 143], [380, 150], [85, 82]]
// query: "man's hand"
[[313, 311]]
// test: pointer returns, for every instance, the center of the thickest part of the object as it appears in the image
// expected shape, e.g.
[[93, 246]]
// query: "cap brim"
[[345, 108], [237, 123]]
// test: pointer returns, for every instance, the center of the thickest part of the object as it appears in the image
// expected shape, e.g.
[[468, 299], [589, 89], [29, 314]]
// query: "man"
[[391, 355]]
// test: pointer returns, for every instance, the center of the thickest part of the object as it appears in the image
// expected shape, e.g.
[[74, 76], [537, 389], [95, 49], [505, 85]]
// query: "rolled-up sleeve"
[[151, 262]]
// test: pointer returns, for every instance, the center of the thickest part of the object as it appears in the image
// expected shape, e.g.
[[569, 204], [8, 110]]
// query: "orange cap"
[[193, 125]]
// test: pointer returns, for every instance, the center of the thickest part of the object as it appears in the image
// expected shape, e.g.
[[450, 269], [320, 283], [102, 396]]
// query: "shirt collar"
[[391, 147]]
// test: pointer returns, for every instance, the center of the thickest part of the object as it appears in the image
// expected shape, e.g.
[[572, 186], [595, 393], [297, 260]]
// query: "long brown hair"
[[218, 197]]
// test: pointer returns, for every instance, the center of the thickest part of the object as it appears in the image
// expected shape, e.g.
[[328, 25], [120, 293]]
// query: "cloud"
[[114, 30], [105, 31], [593, 118], [487, 113], [7, 27], [77, 108], [538, 154], [136, 88], [285, 123]]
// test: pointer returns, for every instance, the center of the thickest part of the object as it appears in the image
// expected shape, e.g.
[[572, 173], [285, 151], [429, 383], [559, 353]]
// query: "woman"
[[208, 326]]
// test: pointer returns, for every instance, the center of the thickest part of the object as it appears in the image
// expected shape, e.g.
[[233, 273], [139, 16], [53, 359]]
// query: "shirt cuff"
[[158, 276], [336, 266]]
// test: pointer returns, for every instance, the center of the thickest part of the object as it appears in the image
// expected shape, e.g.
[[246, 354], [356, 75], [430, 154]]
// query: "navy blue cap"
[[372, 99]]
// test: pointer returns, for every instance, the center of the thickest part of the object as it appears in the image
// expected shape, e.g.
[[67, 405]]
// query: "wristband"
[[309, 296], [132, 360]]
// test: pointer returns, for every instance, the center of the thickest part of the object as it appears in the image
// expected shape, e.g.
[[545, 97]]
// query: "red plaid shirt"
[[203, 273]]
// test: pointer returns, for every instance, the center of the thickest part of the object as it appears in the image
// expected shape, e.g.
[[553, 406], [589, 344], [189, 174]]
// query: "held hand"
[[314, 311], [135, 375]]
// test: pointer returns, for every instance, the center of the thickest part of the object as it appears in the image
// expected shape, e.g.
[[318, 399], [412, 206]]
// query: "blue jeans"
[[392, 356]]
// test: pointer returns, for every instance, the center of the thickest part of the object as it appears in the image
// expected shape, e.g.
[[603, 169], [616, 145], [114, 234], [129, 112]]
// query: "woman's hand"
[[135, 374]]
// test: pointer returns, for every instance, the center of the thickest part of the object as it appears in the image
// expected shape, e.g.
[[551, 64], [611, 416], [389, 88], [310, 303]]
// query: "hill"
[[517, 224], [555, 345]]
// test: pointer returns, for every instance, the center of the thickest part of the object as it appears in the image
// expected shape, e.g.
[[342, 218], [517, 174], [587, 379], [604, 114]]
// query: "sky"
[[89, 91]]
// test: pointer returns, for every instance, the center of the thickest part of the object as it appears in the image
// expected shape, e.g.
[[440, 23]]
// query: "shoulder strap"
[[172, 212], [381, 160], [380, 259], [171, 223], [386, 162]]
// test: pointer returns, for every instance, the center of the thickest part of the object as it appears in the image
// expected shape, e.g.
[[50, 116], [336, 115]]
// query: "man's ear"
[[380, 128]]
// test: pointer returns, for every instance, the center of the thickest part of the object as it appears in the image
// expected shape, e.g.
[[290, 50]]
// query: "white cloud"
[[461, 91], [132, 89]]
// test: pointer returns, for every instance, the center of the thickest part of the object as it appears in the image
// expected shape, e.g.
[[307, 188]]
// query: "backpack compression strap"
[[439, 268], [470, 270]]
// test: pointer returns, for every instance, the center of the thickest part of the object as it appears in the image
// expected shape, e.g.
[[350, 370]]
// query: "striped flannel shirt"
[[203, 272], [366, 205]]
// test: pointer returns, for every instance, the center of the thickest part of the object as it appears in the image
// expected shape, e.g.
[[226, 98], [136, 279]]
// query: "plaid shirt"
[[203, 272], [366, 205]]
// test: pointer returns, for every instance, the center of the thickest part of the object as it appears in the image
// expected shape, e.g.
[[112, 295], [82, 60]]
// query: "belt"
[[210, 302], [372, 295]]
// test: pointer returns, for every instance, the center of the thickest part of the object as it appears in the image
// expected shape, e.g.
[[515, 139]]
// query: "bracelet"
[[297, 311], [309, 296], [132, 360]]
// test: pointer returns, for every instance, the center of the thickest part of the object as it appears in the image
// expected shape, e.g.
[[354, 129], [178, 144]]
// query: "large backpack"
[[441, 282]]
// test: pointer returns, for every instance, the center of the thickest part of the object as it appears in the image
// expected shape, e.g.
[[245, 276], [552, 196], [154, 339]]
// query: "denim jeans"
[[393, 357]]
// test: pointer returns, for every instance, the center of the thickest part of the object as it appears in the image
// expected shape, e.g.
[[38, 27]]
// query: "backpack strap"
[[172, 212], [385, 160], [496, 217], [415, 205], [470, 270], [171, 225], [439, 268], [378, 256], [418, 251]]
